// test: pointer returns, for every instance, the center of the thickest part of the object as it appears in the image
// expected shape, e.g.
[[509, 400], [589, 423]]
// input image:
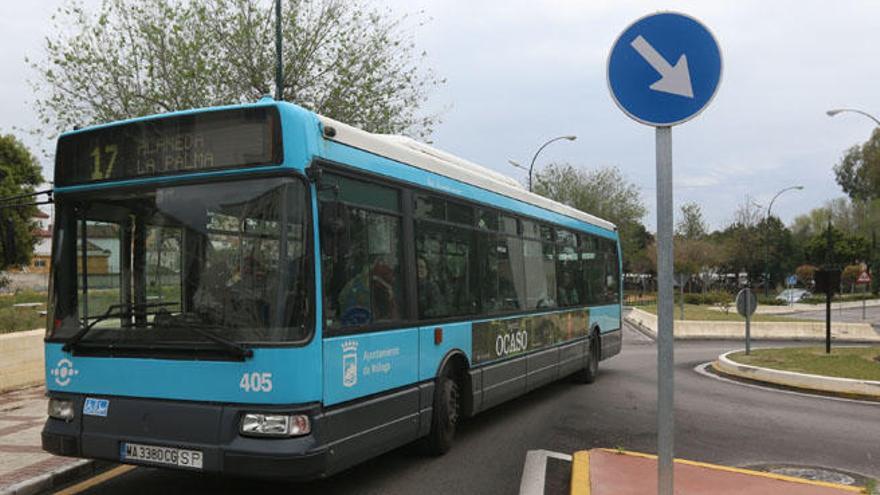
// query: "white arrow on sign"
[[673, 79]]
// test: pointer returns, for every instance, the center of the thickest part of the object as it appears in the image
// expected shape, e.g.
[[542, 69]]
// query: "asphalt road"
[[849, 315], [717, 422]]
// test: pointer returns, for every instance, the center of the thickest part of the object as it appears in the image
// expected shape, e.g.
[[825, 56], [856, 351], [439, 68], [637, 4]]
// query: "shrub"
[[805, 274], [709, 298], [771, 301]]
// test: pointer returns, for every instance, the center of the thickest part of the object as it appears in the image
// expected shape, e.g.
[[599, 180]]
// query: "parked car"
[[793, 295]]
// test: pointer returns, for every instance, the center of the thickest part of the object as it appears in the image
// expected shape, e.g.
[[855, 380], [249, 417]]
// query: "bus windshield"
[[183, 264]]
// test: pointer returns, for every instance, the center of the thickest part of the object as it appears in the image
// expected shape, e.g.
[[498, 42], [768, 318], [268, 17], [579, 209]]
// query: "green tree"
[[778, 247], [345, 60], [850, 216], [740, 247], [846, 248], [604, 192], [858, 172], [691, 224], [20, 173], [695, 258], [754, 244]]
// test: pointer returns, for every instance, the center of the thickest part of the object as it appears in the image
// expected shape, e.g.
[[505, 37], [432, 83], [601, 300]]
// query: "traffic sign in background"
[[664, 69], [746, 302]]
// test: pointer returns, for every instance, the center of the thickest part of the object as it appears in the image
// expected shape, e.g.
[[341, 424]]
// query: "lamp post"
[[532, 165], [832, 113], [279, 66], [767, 239]]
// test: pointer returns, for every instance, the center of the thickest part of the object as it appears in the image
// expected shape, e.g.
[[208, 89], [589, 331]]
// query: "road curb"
[[580, 473], [55, 478], [740, 471], [638, 326], [843, 386]]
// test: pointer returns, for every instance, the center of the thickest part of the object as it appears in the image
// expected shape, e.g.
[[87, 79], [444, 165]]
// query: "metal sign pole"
[[665, 308], [641, 95], [748, 321]]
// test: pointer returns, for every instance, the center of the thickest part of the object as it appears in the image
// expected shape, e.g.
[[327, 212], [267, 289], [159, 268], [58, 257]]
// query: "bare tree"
[[748, 213]]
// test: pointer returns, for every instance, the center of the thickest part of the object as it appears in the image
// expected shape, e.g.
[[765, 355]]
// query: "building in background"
[[100, 256], [43, 249]]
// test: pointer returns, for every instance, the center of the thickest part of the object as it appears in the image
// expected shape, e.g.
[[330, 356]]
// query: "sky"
[[521, 72]]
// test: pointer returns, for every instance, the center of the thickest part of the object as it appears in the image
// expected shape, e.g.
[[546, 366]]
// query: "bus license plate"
[[162, 455]]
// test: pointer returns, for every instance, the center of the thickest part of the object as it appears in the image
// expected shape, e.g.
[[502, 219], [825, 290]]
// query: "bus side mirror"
[[10, 250]]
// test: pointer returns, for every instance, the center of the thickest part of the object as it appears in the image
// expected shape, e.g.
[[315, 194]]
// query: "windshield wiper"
[[78, 336], [237, 349]]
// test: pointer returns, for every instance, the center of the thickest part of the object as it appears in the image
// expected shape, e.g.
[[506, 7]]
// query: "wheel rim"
[[452, 408]]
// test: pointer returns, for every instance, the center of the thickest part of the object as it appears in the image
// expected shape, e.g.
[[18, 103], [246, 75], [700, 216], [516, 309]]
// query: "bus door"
[[369, 348]]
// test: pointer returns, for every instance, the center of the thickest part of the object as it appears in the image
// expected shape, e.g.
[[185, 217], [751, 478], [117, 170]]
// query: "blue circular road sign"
[[664, 69]]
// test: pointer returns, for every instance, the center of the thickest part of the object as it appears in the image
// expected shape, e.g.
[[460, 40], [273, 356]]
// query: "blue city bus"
[[258, 290]]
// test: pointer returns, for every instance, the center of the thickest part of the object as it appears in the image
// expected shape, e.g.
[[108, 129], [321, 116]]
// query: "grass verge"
[[858, 363], [705, 313], [17, 319]]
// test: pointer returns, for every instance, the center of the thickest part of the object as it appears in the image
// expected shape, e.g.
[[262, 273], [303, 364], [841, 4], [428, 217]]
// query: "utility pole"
[[279, 66], [828, 248]]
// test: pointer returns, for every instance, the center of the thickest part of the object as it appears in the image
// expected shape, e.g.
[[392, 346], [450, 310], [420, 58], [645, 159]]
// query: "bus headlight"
[[275, 425], [61, 409]]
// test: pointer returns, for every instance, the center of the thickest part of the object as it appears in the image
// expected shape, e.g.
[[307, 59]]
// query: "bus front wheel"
[[444, 418]]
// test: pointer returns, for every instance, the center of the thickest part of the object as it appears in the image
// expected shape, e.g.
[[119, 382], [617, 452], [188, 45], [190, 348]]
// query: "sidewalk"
[[605, 472], [24, 467]]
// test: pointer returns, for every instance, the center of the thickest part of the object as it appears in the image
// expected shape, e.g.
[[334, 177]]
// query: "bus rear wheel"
[[589, 374], [444, 418]]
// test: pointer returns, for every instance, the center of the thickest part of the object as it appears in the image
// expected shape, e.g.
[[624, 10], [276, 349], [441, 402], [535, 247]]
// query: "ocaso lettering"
[[511, 343]]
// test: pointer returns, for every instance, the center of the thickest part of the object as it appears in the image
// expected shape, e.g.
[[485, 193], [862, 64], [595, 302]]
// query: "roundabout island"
[[851, 372]]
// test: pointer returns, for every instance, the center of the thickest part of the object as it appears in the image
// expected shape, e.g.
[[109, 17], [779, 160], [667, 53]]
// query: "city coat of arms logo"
[[349, 363]]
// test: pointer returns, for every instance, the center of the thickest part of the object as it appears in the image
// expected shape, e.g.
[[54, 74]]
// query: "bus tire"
[[445, 415], [589, 374]]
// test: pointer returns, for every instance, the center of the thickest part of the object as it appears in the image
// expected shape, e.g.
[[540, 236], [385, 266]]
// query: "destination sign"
[[242, 137]]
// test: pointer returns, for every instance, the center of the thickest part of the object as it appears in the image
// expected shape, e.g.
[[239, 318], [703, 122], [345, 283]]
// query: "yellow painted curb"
[[580, 473], [748, 472], [95, 480]]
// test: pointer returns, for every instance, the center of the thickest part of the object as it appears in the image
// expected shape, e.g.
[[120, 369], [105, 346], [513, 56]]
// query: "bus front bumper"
[[209, 429], [304, 466]]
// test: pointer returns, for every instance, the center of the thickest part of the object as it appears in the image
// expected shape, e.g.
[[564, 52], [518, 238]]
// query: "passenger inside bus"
[[431, 300], [370, 295], [568, 293]]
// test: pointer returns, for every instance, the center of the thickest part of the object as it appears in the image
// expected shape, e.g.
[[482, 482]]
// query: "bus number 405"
[[256, 382]]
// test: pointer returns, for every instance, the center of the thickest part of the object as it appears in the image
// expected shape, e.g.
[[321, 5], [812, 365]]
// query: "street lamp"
[[767, 238], [832, 113], [532, 165]]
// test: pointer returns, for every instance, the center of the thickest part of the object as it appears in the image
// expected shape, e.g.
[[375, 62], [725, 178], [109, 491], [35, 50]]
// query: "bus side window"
[[568, 272], [361, 254], [591, 267], [448, 254], [612, 271]]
